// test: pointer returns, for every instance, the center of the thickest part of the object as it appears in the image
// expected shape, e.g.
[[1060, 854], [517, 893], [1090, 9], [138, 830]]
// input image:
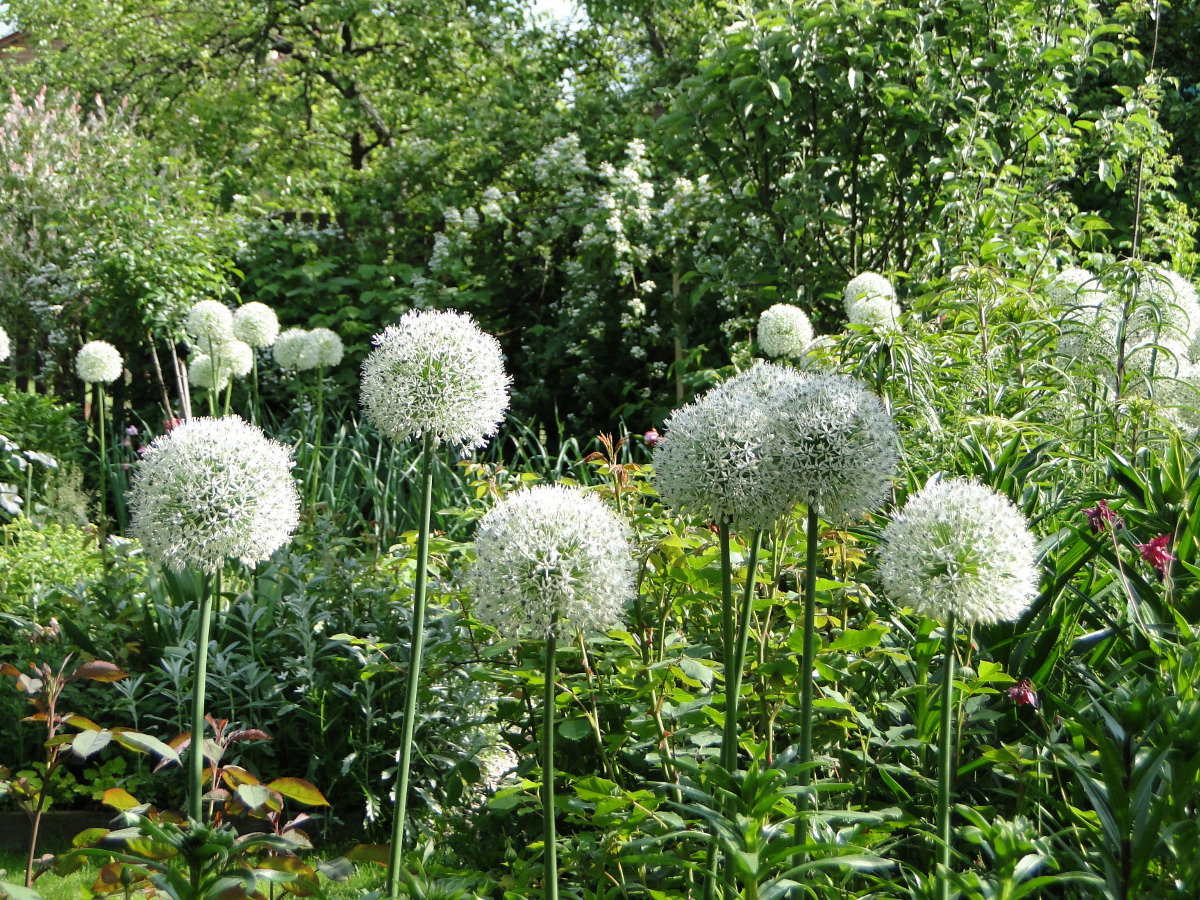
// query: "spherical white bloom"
[[295, 350], [838, 446], [238, 356], [99, 361], [209, 322], [784, 330], [210, 490], [328, 346], [1166, 306], [436, 372], [959, 547], [868, 284], [720, 458], [875, 312], [1075, 289], [551, 557], [211, 372], [5, 346], [256, 324]]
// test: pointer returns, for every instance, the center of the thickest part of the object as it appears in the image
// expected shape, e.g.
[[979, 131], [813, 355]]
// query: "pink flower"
[[132, 431], [1023, 694], [651, 437], [1155, 553], [1101, 518]]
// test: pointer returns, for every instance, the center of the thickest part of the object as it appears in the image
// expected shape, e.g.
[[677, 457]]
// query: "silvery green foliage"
[[5, 346], [209, 371], [784, 330], [838, 447], [327, 347], [720, 458], [294, 350], [209, 322], [256, 324], [552, 557], [436, 372], [211, 490], [959, 547], [98, 361], [870, 300]]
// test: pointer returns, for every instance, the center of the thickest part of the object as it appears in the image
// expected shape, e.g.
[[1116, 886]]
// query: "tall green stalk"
[[314, 473], [737, 664], [946, 763], [728, 641], [550, 834], [102, 436], [809, 652], [200, 676], [414, 667]]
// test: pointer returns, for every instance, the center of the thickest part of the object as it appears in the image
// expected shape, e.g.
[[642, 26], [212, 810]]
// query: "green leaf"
[[575, 729], [299, 790], [89, 743]]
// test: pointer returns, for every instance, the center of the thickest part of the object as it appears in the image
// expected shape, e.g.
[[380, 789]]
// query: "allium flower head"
[[295, 350], [719, 457], [327, 346], [238, 356], [437, 372], [5, 346], [551, 557], [959, 547], [784, 330], [1167, 306], [210, 490], [211, 372], [99, 361], [209, 322], [841, 445], [870, 300], [256, 324], [1076, 289]]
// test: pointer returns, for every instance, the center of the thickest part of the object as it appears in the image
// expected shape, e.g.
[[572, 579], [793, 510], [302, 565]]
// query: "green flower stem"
[[728, 639], [254, 410], [733, 682], [550, 852], [809, 653], [946, 763], [200, 670], [101, 434], [314, 474], [414, 668]]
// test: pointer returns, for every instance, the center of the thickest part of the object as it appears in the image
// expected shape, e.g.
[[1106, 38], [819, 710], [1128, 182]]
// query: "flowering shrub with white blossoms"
[[551, 558], [99, 361], [211, 490], [958, 547], [436, 372]]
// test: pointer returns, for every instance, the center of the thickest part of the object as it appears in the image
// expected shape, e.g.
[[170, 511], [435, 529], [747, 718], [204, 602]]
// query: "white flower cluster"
[[552, 558], [959, 547], [209, 323], [298, 350], [211, 490], [752, 448], [99, 361], [5, 346], [870, 300], [256, 324], [225, 361], [438, 372], [784, 330]]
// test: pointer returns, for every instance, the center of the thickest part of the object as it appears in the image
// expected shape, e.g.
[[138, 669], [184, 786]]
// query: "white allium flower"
[[328, 346], [99, 361], [210, 322], [867, 284], [256, 324], [295, 350], [206, 371], [211, 490], [551, 557], [875, 312], [784, 330], [237, 356], [720, 458], [5, 346], [959, 547], [438, 372], [837, 445], [1076, 289]]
